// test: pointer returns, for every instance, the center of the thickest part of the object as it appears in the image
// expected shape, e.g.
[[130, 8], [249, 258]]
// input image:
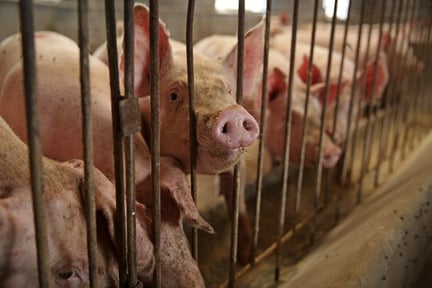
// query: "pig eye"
[[174, 96], [65, 274]]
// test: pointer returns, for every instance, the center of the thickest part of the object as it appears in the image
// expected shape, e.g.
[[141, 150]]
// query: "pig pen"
[[362, 223]]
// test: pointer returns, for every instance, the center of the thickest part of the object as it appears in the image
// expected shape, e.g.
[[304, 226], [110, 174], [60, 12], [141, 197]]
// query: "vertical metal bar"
[[117, 139], [324, 110], [385, 133], [390, 100], [335, 119], [35, 154], [192, 115], [90, 205], [259, 179], [399, 101], [417, 83], [130, 145], [288, 122], [412, 88], [304, 130], [369, 125], [237, 186], [155, 139], [348, 162], [362, 92]]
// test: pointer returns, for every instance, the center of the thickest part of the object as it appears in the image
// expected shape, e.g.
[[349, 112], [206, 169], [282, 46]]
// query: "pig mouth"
[[216, 160]]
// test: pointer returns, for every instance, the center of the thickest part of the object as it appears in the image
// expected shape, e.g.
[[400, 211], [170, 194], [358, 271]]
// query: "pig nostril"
[[248, 125], [225, 128]]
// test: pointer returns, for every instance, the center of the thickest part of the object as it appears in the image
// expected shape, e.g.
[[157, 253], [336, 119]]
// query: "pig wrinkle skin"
[[67, 237], [59, 107]]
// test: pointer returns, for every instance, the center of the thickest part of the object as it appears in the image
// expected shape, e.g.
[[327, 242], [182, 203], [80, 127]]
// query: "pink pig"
[[60, 107], [63, 197], [217, 46], [364, 82]]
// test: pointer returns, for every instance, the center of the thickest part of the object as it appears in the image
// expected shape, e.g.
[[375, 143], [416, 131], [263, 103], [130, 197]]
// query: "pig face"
[[224, 128], [68, 255], [66, 228], [275, 134]]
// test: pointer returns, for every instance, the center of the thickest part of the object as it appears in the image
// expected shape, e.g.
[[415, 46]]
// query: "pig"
[[224, 128], [219, 45], [364, 82], [59, 107], [66, 229], [219, 148]]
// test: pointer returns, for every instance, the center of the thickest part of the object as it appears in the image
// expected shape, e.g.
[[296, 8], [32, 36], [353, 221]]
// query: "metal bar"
[[90, 205], [417, 82], [288, 123], [409, 103], [237, 185], [338, 196], [155, 139], [370, 124], [348, 162], [367, 131], [399, 107], [35, 154], [259, 179], [192, 115], [391, 98], [117, 139], [383, 139], [324, 110], [410, 79], [304, 130], [130, 146]]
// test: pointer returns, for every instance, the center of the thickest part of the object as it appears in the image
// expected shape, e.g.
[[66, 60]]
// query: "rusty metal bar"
[[117, 139], [362, 92], [259, 179], [192, 115], [35, 150], [304, 130], [391, 98], [237, 185], [155, 139], [90, 205], [398, 101], [410, 89], [369, 125], [348, 162], [130, 144], [411, 79], [336, 109], [324, 110], [417, 83], [385, 133], [288, 123]]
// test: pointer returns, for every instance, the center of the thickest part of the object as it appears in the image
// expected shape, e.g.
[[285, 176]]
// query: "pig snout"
[[331, 155], [235, 128]]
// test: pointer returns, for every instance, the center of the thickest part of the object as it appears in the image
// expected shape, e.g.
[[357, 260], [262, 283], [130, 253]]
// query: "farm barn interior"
[[289, 142]]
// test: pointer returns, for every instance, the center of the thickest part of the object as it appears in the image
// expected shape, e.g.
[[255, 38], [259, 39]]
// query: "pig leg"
[[244, 228]]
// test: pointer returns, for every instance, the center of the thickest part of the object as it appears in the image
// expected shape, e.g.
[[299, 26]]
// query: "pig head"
[[224, 128], [66, 223]]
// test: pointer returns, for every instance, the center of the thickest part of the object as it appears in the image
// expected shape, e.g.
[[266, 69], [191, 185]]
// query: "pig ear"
[[253, 58], [178, 204], [380, 69], [302, 72], [142, 50], [319, 90], [276, 84]]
